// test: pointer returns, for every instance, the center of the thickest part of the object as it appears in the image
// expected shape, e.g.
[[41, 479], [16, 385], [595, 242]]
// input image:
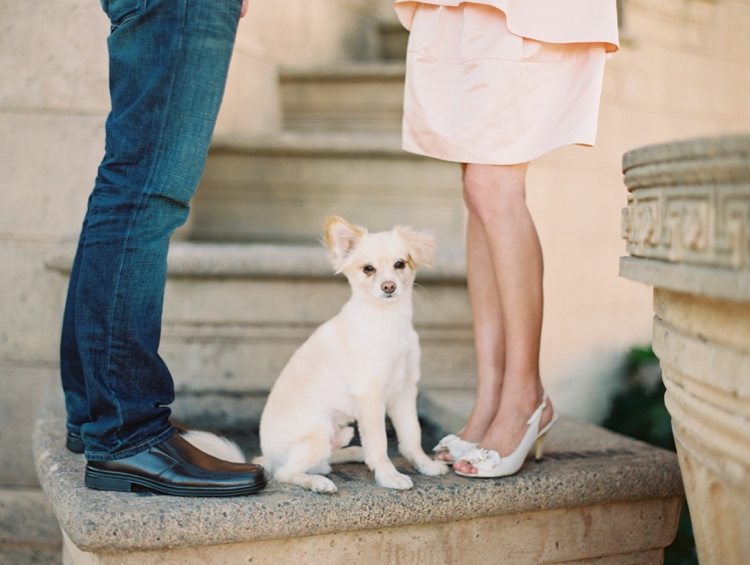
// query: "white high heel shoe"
[[489, 463], [454, 446]]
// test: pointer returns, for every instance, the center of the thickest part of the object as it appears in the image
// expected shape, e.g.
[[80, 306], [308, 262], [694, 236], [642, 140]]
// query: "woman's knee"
[[492, 189]]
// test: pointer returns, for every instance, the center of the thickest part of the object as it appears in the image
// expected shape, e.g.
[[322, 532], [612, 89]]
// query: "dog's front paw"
[[393, 479], [322, 484], [432, 468]]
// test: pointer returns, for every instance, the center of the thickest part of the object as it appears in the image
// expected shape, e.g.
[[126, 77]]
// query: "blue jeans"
[[168, 68]]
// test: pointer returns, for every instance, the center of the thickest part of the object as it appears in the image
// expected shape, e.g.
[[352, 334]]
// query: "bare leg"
[[489, 338], [507, 321]]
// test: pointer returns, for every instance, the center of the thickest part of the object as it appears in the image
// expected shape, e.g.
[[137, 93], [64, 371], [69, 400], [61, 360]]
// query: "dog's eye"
[[399, 265], [369, 269]]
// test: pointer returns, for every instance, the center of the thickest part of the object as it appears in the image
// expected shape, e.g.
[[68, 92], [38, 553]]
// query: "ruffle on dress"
[[550, 21]]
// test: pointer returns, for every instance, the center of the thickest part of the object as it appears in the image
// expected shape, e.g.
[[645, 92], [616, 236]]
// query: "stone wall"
[[53, 102]]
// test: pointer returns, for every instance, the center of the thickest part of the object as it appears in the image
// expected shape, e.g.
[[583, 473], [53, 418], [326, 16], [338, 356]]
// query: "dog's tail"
[[260, 460], [212, 444]]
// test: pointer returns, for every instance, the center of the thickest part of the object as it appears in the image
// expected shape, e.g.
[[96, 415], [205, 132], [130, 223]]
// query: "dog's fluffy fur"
[[360, 365], [215, 445]]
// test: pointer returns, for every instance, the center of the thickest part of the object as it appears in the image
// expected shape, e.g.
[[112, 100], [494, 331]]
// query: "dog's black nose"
[[389, 287]]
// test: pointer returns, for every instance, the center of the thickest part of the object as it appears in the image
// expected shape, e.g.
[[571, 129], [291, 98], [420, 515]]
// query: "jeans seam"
[[140, 206]]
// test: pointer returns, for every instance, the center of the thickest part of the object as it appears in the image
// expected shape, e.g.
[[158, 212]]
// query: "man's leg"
[[168, 67], [71, 369]]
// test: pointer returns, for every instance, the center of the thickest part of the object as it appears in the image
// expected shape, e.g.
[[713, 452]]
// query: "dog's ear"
[[341, 238], [421, 247]]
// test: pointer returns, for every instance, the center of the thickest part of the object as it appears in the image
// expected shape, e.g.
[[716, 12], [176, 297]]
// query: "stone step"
[[596, 497], [282, 189], [363, 97], [29, 532], [234, 314], [393, 40]]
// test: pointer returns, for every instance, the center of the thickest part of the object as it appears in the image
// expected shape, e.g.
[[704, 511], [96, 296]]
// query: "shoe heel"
[[539, 447], [107, 483]]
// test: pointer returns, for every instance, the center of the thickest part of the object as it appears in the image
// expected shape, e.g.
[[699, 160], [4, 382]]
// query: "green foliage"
[[638, 411]]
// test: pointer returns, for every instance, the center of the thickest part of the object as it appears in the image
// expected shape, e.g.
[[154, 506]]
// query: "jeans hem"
[[129, 452]]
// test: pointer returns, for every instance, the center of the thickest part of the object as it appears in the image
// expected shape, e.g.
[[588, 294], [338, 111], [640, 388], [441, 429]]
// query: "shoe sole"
[[123, 482]]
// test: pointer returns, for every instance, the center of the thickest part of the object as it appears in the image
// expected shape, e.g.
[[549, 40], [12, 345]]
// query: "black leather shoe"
[[175, 467], [74, 443]]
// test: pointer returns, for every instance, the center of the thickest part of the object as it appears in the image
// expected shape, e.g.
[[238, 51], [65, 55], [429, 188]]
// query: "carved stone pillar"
[[687, 227]]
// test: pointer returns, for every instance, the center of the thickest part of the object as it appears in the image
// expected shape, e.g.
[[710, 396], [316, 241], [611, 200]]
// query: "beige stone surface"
[[286, 196], [576, 205], [22, 389], [27, 520], [293, 33], [578, 535], [714, 282], [234, 314], [723, 322], [708, 396], [251, 98], [687, 218], [53, 102], [52, 56], [690, 203], [237, 334], [718, 509], [31, 305], [357, 98], [49, 162]]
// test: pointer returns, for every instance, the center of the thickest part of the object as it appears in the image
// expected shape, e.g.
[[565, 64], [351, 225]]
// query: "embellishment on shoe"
[[484, 455], [443, 443], [454, 446]]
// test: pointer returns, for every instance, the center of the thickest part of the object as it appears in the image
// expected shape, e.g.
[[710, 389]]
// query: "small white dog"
[[360, 365]]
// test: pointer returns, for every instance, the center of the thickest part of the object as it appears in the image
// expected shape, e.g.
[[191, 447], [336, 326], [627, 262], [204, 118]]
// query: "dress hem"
[[417, 151]]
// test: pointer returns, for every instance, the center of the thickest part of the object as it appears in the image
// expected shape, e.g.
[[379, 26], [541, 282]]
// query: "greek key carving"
[[705, 225]]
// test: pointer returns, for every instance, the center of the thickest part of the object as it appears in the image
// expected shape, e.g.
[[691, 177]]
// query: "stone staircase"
[[338, 153], [249, 282], [365, 97]]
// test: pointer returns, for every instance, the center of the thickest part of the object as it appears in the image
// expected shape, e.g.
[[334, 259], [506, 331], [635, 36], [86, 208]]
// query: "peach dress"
[[500, 82]]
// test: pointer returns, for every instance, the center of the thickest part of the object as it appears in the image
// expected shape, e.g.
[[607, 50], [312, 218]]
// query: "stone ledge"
[[695, 150], [712, 282], [584, 466], [353, 72], [339, 144], [628, 533], [266, 261]]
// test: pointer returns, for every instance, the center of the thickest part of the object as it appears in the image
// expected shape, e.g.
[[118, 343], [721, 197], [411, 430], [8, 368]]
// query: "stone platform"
[[596, 497]]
